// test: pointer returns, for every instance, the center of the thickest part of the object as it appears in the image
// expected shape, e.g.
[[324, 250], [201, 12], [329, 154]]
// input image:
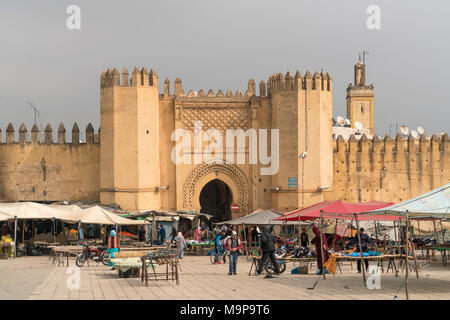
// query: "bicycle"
[[270, 268], [217, 256]]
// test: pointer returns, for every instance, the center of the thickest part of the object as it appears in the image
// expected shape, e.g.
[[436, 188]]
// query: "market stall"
[[434, 205], [31, 211], [259, 218]]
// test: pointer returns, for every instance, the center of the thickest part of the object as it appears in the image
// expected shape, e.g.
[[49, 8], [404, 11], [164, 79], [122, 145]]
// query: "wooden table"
[[198, 248], [169, 259], [389, 257], [61, 253]]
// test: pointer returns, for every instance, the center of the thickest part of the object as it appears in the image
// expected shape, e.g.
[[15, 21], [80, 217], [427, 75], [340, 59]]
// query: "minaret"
[[360, 99]]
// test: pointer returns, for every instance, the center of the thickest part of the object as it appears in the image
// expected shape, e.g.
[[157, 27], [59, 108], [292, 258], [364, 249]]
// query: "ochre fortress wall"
[[389, 169], [47, 170], [130, 164]]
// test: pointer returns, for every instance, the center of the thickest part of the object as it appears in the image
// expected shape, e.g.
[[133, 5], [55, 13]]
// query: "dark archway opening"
[[215, 199]]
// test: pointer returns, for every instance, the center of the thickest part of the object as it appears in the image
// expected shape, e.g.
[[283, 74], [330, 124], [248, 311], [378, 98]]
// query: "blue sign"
[[292, 182]]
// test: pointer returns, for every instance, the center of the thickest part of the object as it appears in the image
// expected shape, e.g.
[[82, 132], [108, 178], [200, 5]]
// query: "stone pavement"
[[200, 279], [19, 277]]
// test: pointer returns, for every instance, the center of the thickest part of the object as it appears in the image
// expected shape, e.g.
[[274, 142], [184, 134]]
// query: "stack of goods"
[[72, 236]]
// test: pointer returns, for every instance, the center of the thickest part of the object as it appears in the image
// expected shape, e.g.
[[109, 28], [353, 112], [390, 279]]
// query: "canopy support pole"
[[245, 241], [363, 266], [376, 235], [321, 244], [32, 232], [335, 233], [154, 228], [15, 236], [395, 232], [23, 232], [407, 254], [63, 232], [444, 252], [420, 235], [54, 230]]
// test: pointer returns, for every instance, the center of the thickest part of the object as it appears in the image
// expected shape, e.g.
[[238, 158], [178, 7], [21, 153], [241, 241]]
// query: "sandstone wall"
[[389, 170], [42, 170]]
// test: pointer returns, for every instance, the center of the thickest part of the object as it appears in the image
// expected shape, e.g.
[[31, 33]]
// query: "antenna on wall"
[[364, 54], [36, 112], [37, 116]]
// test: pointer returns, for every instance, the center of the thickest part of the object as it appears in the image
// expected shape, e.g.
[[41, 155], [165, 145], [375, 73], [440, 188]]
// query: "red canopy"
[[339, 210]]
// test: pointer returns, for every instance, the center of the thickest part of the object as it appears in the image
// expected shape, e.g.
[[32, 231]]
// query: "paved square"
[[36, 278]]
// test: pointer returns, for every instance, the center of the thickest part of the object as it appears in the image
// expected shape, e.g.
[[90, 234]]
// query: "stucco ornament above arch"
[[228, 173]]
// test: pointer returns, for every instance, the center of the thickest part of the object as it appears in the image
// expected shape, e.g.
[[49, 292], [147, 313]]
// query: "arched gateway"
[[206, 178]]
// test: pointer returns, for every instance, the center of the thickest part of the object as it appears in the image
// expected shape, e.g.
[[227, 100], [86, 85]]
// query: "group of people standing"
[[230, 241]]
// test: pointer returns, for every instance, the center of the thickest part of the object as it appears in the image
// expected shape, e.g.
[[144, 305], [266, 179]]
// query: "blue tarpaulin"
[[434, 204]]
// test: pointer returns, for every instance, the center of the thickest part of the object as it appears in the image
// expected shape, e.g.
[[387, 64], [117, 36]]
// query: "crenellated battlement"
[[47, 137], [319, 81], [111, 78], [277, 82], [389, 145], [179, 91]]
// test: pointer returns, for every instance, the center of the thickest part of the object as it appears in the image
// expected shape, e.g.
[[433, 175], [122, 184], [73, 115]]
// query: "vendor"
[[365, 244], [113, 244], [320, 250], [198, 234], [304, 238]]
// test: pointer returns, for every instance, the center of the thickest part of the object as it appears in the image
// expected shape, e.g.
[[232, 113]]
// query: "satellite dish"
[[420, 130], [405, 131], [414, 134], [340, 121], [358, 125], [347, 123]]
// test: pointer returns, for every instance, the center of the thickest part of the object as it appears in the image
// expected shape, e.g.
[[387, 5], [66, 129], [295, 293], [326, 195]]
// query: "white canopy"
[[261, 217], [28, 210], [72, 213]]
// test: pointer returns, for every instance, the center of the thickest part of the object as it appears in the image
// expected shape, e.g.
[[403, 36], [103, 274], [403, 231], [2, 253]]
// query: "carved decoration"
[[230, 170], [218, 117]]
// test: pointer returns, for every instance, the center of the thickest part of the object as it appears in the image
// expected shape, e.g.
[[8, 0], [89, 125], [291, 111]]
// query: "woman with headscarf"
[[198, 234], [320, 250], [181, 244]]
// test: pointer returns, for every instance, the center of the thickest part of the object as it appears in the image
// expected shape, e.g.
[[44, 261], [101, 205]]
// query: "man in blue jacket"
[[365, 244]]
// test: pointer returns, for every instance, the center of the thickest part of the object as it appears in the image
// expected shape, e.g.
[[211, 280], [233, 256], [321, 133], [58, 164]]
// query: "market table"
[[123, 265], [199, 247], [390, 257], [431, 249], [45, 244], [59, 253], [166, 257]]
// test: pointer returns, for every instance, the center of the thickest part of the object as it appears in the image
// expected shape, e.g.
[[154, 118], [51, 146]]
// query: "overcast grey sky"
[[213, 44]]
